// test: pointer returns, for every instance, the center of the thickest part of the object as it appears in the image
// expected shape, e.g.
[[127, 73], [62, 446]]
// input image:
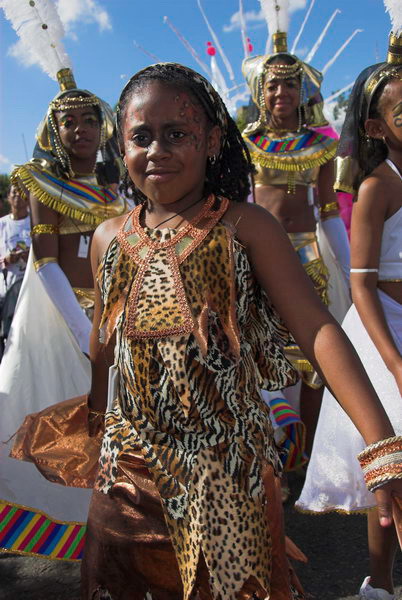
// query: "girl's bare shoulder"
[[250, 221], [380, 191], [106, 231]]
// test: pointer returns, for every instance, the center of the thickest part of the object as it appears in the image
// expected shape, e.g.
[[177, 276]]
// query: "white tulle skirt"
[[334, 478]]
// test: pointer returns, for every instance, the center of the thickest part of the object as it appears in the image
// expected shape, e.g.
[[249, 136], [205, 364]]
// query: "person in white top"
[[15, 241], [373, 158]]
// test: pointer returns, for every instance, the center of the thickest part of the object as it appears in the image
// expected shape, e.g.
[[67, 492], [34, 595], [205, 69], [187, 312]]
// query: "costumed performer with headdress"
[[369, 163], [294, 172], [70, 183], [192, 283]]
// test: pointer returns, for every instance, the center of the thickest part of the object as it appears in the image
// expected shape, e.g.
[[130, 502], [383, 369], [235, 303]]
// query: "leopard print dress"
[[196, 339]]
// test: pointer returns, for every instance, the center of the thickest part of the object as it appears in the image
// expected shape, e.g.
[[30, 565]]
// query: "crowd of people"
[[168, 364]]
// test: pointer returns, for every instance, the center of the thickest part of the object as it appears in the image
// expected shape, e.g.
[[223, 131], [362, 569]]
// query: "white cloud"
[[250, 17], [254, 17], [297, 5], [71, 13], [86, 11], [4, 160], [301, 52]]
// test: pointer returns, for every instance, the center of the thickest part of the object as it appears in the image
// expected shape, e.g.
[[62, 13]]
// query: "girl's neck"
[[174, 213], [396, 158], [290, 123], [83, 166]]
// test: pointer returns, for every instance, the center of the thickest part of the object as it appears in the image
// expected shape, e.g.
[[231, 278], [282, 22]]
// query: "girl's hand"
[[384, 500]]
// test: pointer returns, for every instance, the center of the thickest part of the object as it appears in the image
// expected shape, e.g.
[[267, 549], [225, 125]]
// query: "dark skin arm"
[[62, 247], [100, 355], [44, 244]]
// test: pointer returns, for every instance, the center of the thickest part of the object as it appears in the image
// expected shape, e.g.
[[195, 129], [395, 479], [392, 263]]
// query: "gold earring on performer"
[[212, 159]]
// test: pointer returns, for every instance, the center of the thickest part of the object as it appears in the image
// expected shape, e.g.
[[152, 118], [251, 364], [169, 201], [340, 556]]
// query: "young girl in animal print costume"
[[195, 294]]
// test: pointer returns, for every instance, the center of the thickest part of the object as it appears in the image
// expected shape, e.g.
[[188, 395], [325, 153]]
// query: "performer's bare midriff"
[[77, 270], [291, 210]]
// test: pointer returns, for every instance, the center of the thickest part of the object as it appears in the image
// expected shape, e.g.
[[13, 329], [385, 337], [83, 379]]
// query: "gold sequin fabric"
[[197, 339]]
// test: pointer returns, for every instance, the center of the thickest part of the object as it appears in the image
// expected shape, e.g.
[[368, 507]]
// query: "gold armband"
[[329, 207], [43, 261], [44, 228]]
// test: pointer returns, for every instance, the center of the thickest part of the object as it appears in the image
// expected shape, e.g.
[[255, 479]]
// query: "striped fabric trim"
[[293, 441], [25, 531], [284, 414], [80, 198], [91, 192], [300, 142]]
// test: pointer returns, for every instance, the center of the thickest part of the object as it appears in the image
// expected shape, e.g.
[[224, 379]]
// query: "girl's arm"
[[45, 243], [101, 356], [322, 340], [368, 219]]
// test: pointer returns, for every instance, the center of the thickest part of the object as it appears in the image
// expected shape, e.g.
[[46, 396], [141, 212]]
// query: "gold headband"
[[278, 71], [72, 102]]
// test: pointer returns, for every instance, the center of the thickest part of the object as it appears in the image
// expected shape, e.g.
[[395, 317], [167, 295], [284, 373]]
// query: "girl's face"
[[282, 96], [391, 111], [79, 131], [167, 141]]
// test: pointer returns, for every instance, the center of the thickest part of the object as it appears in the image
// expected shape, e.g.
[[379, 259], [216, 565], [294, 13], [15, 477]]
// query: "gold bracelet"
[[44, 228], [329, 207], [44, 261]]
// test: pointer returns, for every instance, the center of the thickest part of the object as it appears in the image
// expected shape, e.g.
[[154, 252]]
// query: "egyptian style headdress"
[[259, 69], [357, 153], [39, 27]]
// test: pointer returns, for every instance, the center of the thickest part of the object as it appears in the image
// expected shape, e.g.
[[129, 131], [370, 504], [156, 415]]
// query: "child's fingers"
[[384, 505], [384, 497]]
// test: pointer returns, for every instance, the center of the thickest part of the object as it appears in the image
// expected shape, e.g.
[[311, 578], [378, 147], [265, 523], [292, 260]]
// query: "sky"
[[108, 41]]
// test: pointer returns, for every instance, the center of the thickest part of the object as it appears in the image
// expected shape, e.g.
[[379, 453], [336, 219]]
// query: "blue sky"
[[101, 35]]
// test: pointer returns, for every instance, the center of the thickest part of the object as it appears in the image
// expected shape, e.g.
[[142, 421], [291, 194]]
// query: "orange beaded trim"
[[152, 246]]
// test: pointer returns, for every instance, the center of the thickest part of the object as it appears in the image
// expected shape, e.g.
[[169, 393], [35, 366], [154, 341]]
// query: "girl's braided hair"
[[229, 175]]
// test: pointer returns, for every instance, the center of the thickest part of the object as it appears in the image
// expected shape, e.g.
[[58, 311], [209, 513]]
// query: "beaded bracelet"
[[381, 462]]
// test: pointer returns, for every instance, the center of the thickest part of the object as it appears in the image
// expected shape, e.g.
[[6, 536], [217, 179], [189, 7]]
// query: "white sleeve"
[[337, 236], [61, 293]]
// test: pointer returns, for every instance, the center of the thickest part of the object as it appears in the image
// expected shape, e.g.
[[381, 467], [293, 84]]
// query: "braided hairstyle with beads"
[[229, 175]]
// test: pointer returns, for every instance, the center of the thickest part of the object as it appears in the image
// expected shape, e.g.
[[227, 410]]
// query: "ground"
[[335, 545]]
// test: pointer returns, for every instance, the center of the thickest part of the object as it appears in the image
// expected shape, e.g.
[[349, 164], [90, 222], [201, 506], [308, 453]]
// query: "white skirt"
[[42, 365], [334, 480]]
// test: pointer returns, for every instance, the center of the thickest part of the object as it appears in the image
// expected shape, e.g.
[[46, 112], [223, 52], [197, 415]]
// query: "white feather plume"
[[394, 8], [40, 29], [276, 14]]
